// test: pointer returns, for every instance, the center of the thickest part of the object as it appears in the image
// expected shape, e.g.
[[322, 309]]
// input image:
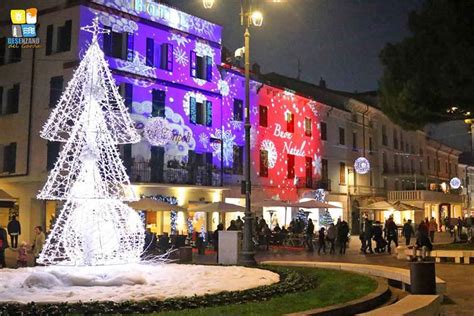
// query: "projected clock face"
[[455, 183]]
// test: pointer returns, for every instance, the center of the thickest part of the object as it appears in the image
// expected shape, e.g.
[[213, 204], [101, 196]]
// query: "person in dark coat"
[[215, 239], [407, 232], [342, 233], [380, 242], [14, 230], [368, 234], [391, 231], [3, 246], [322, 241], [310, 234]]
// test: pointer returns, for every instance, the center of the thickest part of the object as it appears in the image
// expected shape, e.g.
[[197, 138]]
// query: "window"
[[200, 112], [158, 103], [201, 66], [238, 160], [263, 163], [62, 37], [384, 162], [309, 171], [395, 164], [342, 136], [7, 54], [150, 52], [429, 163], [290, 159], [354, 141], [9, 103], [412, 166], [371, 148], [9, 158], [290, 122], [446, 166], [324, 132], [166, 60], [52, 154], [421, 167], [324, 170], [384, 135], [14, 54], [238, 110], [118, 45], [307, 126], [3, 46], [342, 173], [126, 91], [385, 183], [263, 115], [55, 90]]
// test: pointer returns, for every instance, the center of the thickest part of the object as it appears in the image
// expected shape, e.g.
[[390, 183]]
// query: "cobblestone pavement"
[[459, 277]]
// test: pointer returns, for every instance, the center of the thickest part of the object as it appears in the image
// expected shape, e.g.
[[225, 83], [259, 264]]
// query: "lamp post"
[[247, 18]]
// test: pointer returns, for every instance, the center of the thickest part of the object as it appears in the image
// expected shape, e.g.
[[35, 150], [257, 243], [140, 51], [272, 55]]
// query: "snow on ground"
[[125, 282]]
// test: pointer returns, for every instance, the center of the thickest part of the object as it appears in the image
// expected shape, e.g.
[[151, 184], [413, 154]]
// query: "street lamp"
[[247, 18]]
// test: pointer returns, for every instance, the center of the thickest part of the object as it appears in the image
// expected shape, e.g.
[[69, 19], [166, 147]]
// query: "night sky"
[[339, 40]]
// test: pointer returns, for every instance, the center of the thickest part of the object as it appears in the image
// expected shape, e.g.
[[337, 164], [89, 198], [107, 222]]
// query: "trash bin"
[[423, 277], [185, 254]]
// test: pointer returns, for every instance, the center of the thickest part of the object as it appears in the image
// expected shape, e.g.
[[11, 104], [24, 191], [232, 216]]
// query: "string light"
[[362, 165]]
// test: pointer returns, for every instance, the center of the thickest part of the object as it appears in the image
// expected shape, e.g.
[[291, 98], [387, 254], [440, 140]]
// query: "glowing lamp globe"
[[455, 183], [362, 165], [157, 131], [207, 3]]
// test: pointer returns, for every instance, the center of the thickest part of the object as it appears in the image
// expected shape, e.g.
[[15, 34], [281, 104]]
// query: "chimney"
[[322, 83]]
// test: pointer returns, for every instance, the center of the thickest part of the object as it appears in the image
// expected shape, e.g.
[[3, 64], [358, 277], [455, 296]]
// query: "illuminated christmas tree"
[[94, 227]]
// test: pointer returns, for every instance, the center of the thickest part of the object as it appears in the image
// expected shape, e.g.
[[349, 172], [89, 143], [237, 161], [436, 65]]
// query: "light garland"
[[94, 227], [362, 165], [157, 131]]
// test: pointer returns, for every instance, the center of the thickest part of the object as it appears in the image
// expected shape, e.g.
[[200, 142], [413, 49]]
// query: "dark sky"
[[339, 40]]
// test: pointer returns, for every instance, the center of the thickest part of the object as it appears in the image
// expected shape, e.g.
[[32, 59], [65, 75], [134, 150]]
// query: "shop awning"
[[5, 197], [154, 205], [217, 207], [313, 204], [401, 206]]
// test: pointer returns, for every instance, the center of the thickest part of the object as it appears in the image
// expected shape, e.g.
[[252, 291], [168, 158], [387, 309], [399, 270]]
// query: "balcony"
[[199, 175], [310, 183], [424, 196], [363, 190]]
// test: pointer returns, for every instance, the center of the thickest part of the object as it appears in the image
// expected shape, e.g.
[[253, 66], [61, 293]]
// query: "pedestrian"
[[432, 228], [22, 260], [368, 234], [460, 225], [239, 223], [232, 225], [407, 232], [321, 241], [14, 230], [380, 242], [423, 229], [215, 239], [3, 246], [38, 243], [391, 231], [342, 233], [309, 235], [331, 236]]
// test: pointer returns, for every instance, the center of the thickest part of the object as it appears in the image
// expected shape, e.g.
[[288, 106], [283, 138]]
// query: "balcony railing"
[[199, 175], [424, 195], [366, 190]]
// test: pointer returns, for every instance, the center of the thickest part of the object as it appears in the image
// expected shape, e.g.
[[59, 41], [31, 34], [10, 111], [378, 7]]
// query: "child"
[[22, 261]]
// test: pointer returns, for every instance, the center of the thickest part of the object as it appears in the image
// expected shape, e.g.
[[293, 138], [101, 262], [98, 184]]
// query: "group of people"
[[385, 235], [14, 231], [334, 235]]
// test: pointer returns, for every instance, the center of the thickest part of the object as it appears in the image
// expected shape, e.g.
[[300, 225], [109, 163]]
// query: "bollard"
[[423, 278]]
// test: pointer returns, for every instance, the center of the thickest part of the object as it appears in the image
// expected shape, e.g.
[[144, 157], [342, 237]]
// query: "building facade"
[[189, 109]]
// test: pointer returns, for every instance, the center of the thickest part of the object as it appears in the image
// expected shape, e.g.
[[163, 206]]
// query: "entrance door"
[[355, 230]]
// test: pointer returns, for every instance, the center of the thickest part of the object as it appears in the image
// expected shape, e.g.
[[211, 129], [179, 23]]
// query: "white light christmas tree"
[[94, 227]]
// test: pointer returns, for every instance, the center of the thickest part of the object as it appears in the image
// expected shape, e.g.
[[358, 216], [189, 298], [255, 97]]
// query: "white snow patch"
[[126, 282]]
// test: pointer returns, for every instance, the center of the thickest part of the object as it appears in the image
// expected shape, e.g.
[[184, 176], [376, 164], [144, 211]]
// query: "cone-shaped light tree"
[[94, 227]]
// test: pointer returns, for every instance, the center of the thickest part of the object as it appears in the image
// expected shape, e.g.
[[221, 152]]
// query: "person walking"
[[342, 233], [38, 242], [321, 241], [310, 234], [460, 225], [215, 239], [432, 227], [331, 236], [391, 231], [408, 232], [368, 234], [3, 246], [14, 230]]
